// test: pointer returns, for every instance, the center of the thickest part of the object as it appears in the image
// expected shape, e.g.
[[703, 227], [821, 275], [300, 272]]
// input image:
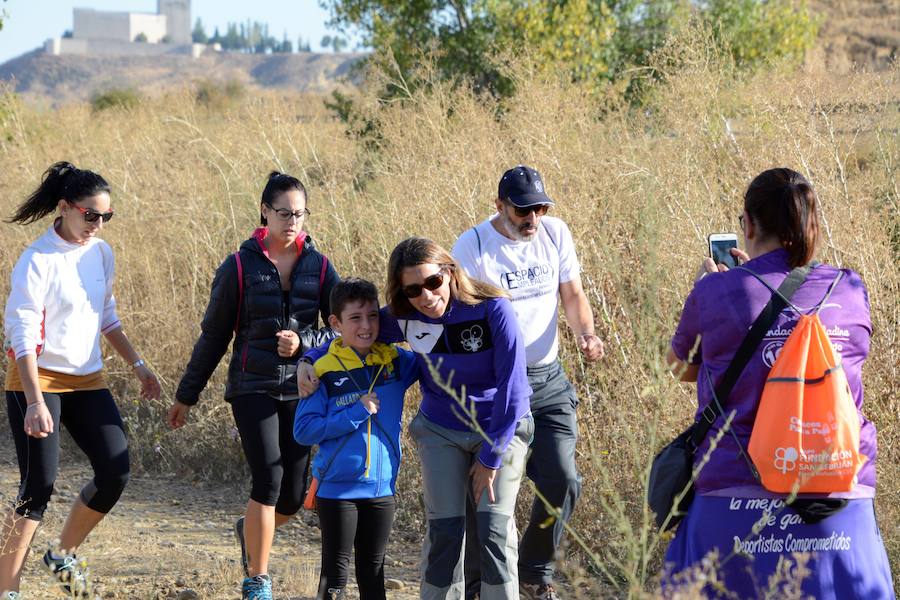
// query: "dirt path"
[[166, 536]]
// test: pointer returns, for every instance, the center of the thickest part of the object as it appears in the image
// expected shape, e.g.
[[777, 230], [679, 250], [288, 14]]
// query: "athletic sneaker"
[[12, 596], [336, 594], [257, 588], [239, 534], [537, 591], [67, 571]]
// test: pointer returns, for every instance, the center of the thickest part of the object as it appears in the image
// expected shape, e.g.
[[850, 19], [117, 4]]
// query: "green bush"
[[218, 95], [125, 98]]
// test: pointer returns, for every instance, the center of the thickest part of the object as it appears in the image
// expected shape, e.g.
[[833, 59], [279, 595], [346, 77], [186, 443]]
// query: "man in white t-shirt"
[[532, 256]]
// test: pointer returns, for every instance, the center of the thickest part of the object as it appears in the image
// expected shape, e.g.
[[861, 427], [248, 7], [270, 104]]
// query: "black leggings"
[[278, 464], [92, 419], [361, 524]]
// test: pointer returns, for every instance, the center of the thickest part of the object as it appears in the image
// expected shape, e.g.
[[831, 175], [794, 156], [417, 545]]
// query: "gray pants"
[[447, 456], [551, 466]]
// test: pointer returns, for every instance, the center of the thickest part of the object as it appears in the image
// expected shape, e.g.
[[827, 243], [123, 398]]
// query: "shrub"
[[218, 95], [125, 98]]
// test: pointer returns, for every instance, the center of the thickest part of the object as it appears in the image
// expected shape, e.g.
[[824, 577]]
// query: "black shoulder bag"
[[672, 468]]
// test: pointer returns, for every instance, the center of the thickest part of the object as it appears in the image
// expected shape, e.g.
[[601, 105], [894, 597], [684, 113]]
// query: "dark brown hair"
[[421, 251], [61, 181], [783, 204], [277, 184], [352, 289]]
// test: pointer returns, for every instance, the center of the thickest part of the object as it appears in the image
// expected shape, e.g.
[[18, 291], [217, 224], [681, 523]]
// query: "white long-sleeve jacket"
[[60, 302]]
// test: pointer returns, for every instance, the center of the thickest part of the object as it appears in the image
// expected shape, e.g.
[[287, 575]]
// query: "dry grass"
[[639, 188]]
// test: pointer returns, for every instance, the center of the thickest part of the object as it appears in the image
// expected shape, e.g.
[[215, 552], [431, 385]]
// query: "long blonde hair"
[[420, 251]]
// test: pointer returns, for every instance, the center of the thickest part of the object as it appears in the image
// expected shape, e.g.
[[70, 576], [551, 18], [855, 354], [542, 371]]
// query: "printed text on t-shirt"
[[522, 278]]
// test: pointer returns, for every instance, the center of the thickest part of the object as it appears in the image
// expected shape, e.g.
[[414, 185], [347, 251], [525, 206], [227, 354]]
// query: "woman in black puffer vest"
[[271, 294]]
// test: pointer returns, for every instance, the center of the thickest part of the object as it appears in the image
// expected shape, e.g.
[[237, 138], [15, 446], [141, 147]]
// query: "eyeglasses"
[[431, 283], [741, 221], [90, 215], [523, 211], [286, 215]]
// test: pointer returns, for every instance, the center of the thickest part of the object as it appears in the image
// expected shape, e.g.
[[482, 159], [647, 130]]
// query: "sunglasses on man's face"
[[523, 211], [431, 283], [90, 215]]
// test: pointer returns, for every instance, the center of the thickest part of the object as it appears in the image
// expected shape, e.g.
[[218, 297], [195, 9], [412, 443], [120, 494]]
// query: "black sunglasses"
[[92, 216], [431, 283], [523, 211]]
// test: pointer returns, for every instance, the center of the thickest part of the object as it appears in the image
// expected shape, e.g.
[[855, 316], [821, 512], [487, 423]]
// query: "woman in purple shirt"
[[837, 533], [468, 346]]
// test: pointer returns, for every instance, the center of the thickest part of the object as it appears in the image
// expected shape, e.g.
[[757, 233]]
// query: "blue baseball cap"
[[523, 187]]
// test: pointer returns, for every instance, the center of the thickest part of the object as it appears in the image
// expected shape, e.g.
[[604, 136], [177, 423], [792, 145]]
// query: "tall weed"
[[639, 187]]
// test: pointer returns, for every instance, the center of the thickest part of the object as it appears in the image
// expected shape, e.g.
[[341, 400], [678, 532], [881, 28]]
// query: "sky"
[[28, 23]]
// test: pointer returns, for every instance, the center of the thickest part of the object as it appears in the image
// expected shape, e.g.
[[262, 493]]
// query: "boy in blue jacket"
[[354, 417]]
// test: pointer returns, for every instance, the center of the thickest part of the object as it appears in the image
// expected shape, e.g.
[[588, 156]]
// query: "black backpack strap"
[[477, 237], [764, 321]]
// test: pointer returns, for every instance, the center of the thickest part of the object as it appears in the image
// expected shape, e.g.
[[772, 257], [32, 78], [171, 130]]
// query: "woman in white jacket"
[[60, 302]]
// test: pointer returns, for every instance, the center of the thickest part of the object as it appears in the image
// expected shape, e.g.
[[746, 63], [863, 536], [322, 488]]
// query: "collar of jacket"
[[379, 354], [260, 235]]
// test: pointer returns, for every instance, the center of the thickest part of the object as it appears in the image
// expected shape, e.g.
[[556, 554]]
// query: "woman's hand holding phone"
[[709, 265]]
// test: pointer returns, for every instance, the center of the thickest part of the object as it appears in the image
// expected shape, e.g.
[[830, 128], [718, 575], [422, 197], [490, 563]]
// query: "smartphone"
[[720, 245]]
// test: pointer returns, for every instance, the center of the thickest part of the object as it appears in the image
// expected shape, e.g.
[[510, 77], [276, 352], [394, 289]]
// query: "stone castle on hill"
[[105, 33]]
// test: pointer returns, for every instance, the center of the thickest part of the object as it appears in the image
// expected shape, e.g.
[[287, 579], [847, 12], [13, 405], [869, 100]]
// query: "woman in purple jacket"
[[836, 533], [467, 341]]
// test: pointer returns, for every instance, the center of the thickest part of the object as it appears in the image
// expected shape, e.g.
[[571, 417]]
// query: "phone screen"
[[720, 250]]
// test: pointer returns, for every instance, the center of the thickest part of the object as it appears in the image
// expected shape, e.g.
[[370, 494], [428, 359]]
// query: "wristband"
[[37, 403], [138, 363]]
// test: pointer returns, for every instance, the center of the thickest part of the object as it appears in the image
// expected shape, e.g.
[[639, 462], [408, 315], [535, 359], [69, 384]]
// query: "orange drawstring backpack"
[[805, 438]]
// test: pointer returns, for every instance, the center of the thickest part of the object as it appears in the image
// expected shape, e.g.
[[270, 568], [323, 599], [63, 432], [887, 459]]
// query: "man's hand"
[[307, 382], [591, 347]]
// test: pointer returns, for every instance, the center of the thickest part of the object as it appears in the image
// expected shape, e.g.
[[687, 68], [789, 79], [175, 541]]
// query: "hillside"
[[863, 33], [56, 79]]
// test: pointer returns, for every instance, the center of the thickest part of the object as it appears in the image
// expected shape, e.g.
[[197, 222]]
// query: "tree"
[[141, 37], [595, 41], [303, 45], [335, 42], [286, 46], [198, 36]]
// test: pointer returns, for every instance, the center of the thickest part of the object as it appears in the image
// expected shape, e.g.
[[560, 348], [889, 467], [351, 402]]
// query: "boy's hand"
[[288, 343], [371, 402]]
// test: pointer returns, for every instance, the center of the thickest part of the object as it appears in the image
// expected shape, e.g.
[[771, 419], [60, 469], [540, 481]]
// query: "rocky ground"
[[169, 538]]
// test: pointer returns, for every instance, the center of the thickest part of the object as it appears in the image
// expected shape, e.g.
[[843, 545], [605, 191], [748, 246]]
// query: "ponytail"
[[62, 181], [783, 204]]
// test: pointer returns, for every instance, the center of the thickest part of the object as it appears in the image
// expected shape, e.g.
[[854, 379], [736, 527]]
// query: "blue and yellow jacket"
[[359, 454]]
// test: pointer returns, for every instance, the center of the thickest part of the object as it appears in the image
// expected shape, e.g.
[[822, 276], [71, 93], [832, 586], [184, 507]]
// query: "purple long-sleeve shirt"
[[720, 310], [476, 348]]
